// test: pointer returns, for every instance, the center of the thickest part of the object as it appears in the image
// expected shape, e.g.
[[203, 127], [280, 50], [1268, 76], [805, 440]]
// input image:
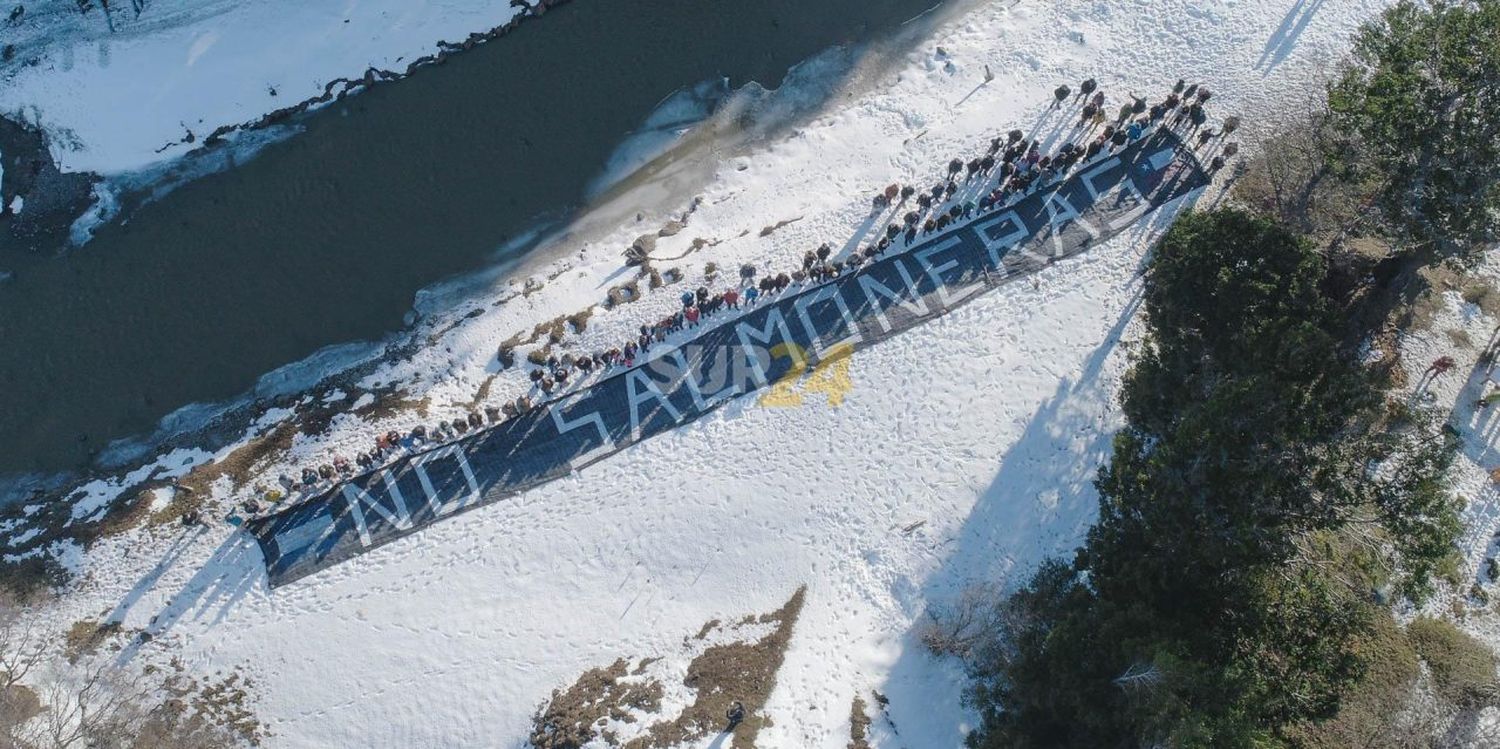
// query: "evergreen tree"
[[1250, 431], [1420, 100]]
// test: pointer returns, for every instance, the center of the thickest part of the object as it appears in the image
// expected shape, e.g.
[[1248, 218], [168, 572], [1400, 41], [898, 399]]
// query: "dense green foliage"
[[1267, 497], [1420, 101], [1261, 490], [1463, 669]]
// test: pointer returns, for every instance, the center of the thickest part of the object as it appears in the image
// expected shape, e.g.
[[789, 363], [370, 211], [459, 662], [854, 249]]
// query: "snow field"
[[986, 427]]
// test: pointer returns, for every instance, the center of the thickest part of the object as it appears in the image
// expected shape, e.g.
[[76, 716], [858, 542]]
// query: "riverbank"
[[325, 237], [69, 214], [1001, 412]]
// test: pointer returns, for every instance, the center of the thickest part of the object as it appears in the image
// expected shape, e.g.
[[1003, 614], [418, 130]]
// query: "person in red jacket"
[[732, 298], [691, 315]]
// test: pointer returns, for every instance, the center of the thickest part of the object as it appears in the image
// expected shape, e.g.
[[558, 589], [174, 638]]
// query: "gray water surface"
[[325, 237]]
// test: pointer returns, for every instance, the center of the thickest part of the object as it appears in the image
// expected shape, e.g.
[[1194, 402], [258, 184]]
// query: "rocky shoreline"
[[53, 199]]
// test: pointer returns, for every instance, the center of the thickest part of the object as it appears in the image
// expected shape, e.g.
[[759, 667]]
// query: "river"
[[326, 236]]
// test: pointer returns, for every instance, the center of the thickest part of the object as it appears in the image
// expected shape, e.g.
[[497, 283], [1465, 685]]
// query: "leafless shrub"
[[966, 626], [58, 703]]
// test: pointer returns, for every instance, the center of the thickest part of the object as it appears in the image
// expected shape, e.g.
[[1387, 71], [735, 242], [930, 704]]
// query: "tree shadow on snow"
[[1284, 39], [1478, 429], [220, 584], [1040, 503]]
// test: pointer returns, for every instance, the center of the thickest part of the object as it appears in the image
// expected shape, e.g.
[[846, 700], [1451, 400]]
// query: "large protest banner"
[[672, 385]]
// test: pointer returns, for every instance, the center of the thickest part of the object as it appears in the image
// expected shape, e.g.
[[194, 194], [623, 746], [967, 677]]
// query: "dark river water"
[[325, 237]]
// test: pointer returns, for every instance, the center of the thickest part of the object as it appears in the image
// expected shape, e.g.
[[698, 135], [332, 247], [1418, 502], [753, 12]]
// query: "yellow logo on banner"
[[830, 376]]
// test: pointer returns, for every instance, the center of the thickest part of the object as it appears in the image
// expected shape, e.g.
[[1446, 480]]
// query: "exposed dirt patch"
[[708, 626], [310, 419], [722, 674], [86, 636], [727, 671], [623, 294], [769, 230], [213, 703], [859, 725], [573, 716]]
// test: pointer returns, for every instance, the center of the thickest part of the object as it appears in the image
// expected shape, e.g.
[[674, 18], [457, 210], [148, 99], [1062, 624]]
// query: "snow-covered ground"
[[1464, 324], [964, 453]]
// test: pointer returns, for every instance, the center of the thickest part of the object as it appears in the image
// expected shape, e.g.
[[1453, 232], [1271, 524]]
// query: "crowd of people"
[[1022, 169]]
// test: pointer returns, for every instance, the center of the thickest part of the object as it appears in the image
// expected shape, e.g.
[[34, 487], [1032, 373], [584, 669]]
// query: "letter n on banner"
[[358, 499]]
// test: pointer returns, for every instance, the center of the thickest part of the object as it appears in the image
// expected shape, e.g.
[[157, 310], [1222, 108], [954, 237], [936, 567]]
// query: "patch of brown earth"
[[720, 675], [859, 725], [573, 717], [769, 230], [213, 707]]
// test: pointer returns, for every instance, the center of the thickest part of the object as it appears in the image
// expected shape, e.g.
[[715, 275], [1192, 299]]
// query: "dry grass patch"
[[1371, 714], [708, 626], [743, 671], [483, 394], [85, 637], [538, 357], [1463, 669], [623, 294], [26, 579], [1481, 293], [129, 511], [240, 462], [387, 404], [553, 330], [506, 353], [571, 718], [859, 725], [207, 707], [769, 230], [722, 674], [1289, 179], [579, 321], [311, 420], [1429, 303]]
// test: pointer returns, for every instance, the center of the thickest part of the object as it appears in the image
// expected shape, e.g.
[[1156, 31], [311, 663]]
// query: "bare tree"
[[54, 703], [967, 625], [95, 705], [22, 650], [1139, 676]]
